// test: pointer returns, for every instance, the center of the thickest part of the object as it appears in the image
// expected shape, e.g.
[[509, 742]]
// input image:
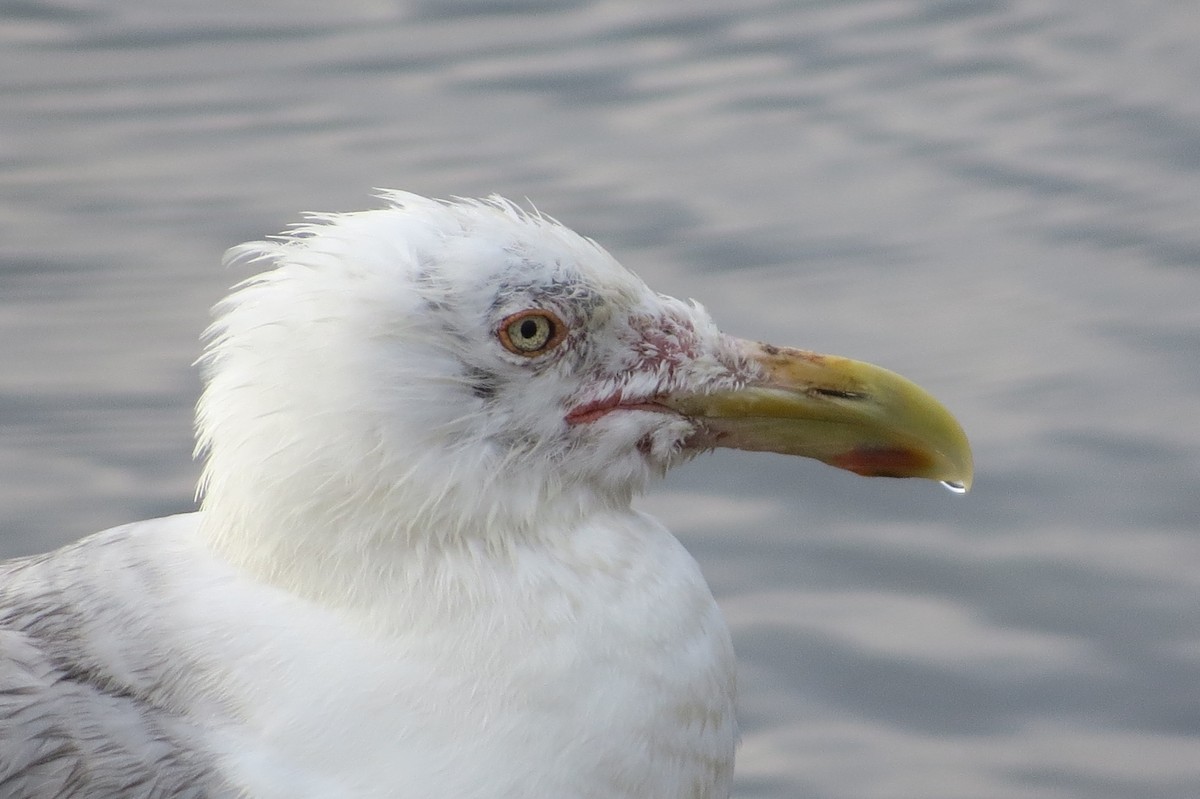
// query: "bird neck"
[[351, 549]]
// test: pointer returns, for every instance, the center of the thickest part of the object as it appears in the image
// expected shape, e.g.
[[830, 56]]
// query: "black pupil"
[[529, 328]]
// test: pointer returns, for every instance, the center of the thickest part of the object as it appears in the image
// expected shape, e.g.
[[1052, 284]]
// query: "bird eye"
[[531, 333]]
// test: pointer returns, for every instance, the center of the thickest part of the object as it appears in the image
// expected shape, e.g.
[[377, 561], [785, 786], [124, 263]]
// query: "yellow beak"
[[849, 414]]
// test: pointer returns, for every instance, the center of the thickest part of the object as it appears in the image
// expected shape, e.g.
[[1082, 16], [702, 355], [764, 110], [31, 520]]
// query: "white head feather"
[[358, 395]]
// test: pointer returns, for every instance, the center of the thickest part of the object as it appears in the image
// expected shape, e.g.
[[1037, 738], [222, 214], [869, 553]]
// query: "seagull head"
[[467, 370]]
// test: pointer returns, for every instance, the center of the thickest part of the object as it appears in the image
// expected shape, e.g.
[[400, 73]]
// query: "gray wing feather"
[[70, 724]]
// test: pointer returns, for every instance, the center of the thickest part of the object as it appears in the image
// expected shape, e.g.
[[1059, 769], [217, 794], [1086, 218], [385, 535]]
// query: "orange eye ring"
[[531, 333]]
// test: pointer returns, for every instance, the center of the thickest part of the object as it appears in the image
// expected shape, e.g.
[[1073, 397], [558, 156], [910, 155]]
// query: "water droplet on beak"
[[957, 488]]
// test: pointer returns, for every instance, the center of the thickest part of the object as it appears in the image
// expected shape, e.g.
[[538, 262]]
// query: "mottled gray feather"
[[73, 723]]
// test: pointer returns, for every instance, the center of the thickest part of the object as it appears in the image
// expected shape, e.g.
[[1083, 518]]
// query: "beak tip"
[[899, 461]]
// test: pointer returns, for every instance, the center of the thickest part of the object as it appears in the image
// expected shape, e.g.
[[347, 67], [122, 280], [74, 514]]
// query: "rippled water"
[[999, 199]]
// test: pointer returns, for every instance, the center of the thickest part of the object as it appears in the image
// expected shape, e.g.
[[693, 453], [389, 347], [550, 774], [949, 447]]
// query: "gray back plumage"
[[76, 720]]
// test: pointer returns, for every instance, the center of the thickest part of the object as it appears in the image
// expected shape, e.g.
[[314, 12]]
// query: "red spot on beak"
[[882, 462]]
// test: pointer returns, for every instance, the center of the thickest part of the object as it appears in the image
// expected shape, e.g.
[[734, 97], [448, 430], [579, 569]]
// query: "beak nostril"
[[834, 393]]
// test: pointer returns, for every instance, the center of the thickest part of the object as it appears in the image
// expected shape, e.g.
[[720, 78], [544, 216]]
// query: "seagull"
[[416, 571]]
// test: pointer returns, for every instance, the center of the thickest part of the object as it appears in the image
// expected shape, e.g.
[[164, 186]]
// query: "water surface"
[[998, 199]]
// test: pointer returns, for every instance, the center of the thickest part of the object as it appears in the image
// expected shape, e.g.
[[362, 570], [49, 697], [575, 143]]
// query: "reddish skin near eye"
[[591, 411]]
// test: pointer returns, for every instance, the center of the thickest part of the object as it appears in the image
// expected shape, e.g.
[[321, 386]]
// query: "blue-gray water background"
[[999, 199]]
